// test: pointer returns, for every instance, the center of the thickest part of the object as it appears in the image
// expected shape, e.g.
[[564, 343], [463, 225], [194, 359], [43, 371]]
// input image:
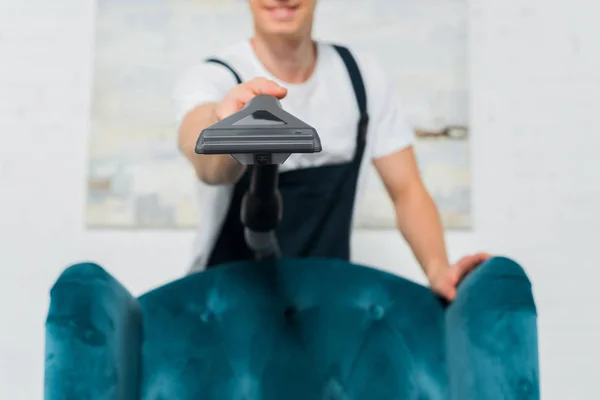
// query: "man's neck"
[[290, 60]]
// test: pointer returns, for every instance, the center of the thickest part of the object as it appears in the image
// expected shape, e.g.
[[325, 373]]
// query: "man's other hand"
[[445, 282], [237, 97]]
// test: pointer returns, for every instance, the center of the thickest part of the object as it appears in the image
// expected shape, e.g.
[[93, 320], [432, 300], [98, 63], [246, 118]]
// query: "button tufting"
[[376, 311], [524, 386], [290, 311], [207, 316], [334, 391]]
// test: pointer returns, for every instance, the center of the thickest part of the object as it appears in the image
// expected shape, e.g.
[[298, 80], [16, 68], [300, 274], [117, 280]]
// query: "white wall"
[[535, 78]]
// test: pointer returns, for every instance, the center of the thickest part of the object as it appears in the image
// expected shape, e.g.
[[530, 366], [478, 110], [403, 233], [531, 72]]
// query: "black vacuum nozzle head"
[[261, 133]]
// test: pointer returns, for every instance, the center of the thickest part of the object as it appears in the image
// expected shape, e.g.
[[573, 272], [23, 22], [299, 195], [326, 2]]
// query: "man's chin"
[[284, 31]]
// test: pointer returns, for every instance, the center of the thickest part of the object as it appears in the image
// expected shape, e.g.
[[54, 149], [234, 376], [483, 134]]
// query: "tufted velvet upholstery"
[[292, 329], [93, 337]]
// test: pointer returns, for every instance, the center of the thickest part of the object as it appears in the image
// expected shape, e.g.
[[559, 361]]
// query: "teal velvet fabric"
[[491, 331], [292, 329], [93, 337], [295, 329]]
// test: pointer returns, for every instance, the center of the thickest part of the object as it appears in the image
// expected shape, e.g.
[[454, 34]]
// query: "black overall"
[[318, 202]]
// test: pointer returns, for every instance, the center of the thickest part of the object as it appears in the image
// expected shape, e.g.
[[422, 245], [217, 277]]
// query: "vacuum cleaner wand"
[[262, 136]]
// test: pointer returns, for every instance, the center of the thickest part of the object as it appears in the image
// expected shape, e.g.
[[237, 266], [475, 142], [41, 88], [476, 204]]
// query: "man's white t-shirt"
[[326, 102]]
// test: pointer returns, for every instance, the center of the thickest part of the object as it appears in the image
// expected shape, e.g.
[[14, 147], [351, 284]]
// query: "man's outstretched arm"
[[419, 222], [211, 169], [417, 216], [220, 168]]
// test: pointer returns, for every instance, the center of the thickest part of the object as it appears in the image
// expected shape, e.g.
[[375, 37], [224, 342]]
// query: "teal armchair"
[[292, 329]]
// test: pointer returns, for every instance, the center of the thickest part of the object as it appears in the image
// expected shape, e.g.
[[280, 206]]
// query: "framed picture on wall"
[[137, 177]]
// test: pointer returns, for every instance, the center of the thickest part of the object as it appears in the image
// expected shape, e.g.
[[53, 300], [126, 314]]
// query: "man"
[[352, 105]]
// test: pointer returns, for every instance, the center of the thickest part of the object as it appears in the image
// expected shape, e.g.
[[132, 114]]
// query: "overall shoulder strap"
[[346, 186], [223, 63], [359, 89]]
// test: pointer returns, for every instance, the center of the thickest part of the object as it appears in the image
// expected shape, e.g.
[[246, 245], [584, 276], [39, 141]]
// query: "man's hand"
[[444, 283], [237, 97], [219, 169]]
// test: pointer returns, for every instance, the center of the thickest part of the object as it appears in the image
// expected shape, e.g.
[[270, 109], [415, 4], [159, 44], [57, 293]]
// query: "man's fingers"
[[478, 258], [245, 92], [453, 275], [447, 291], [242, 94], [451, 294], [483, 257], [228, 107], [264, 86], [469, 263], [447, 286]]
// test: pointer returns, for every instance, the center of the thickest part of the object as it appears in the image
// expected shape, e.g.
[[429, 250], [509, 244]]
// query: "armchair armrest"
[[93, 337], [491, 335]]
